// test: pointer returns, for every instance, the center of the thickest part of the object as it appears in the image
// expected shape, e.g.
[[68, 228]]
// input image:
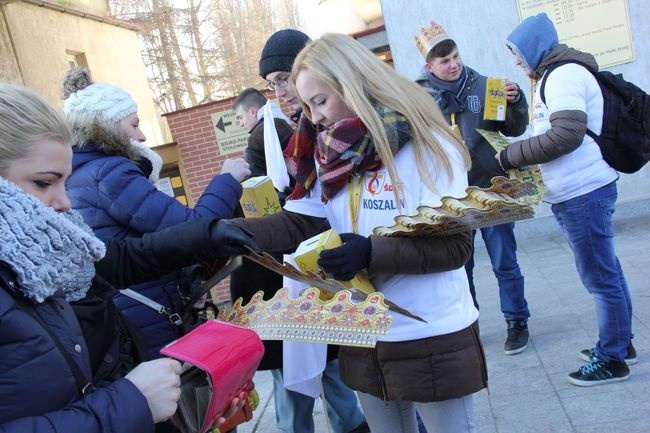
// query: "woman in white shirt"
[[381, 149]]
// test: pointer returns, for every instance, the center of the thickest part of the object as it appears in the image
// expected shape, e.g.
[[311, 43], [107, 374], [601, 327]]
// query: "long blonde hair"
[[25, 120], [362, 80]]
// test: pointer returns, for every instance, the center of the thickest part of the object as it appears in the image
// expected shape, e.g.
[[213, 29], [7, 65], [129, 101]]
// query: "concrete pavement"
[[529, 392]]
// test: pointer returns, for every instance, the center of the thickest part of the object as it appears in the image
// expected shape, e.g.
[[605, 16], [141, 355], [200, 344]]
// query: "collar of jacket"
[[423, 80], [259, 122], [563, 53]]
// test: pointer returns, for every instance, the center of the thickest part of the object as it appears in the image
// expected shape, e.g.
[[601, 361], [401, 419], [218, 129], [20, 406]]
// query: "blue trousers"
[[501, 247], [294, 411], [587, 225]]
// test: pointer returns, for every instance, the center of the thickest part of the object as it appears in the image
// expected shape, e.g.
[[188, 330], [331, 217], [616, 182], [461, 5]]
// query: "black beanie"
[[281, 50]]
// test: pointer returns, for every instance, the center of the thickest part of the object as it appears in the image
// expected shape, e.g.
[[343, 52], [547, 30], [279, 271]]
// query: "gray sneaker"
[[517, 340], [589, 355]]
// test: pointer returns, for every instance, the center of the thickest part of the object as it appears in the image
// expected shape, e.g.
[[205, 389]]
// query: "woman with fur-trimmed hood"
[[111, 185]]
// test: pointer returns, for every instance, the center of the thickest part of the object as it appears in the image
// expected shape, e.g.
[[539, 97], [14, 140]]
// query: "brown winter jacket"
[[425, 370], [285, 231], [443, 367]]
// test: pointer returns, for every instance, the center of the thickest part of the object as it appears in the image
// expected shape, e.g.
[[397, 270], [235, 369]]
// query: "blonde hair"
[[26, 119], [362, 80]]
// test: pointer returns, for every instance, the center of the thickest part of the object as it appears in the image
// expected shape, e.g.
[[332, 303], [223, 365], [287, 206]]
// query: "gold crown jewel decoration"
[[308, 318], [429, 37], [507, 200], [327, 287]]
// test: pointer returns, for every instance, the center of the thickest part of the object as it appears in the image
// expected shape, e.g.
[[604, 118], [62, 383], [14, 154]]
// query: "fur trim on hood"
[[91, 130]]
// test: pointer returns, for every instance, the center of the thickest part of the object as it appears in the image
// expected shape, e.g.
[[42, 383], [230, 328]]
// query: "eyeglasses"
[[280, 83]]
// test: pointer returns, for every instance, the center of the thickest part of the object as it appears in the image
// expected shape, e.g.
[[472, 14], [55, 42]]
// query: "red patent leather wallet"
[[224, 358]]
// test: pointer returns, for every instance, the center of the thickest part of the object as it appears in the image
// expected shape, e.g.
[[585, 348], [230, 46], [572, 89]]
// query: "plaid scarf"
[[300, 157], [342, 151]]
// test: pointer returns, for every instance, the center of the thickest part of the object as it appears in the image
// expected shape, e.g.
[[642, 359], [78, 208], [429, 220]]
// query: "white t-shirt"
[[442, 299], [572, 87]]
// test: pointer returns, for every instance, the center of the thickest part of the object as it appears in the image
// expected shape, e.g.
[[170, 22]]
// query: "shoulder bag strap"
[[174, 318], [85, 387]]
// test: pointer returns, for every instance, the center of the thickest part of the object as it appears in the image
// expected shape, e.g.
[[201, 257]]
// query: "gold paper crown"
[[507, 200], [328, 286], [308, 318], [429, 37]]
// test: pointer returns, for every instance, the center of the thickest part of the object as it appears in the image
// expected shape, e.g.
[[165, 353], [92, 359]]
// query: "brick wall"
[[193, 132]]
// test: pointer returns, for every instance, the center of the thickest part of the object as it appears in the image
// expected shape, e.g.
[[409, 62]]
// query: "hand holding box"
[[308, 252]]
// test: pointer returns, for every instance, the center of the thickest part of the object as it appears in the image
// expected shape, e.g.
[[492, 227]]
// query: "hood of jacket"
[[536, 42], [563, 53], [533, 39], [93, 138]]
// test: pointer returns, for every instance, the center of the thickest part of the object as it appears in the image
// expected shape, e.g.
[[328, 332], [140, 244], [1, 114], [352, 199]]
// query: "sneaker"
[[589, 355], [361, 428], [599, 373], [517, 337]]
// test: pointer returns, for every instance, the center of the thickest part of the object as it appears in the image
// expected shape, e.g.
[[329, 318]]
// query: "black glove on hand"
[[344, 262], [231, 239]]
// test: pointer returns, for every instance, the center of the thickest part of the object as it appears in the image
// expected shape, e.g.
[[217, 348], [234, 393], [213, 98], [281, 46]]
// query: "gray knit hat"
[[281, 50], [103, 100]]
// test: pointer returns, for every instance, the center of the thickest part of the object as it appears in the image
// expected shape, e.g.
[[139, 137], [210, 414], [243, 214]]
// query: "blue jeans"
[[501, 247], [587, 225], [448, 416], [294, 411]]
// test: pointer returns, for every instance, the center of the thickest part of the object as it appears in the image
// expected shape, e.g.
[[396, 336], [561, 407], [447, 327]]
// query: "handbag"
[[223, 359], [183, 319]]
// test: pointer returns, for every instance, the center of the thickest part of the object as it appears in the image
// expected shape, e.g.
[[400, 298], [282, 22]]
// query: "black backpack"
[[624, 140]]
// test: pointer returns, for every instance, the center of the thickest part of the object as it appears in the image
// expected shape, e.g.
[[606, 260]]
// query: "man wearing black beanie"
[[276, 61], [294, 410], [280, 51]]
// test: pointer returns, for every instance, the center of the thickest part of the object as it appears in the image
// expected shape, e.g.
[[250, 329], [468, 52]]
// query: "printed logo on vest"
[[474, 104], [375, 185]]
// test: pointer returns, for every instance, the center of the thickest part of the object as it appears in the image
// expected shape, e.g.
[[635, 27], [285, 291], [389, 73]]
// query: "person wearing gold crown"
[[460, 93]]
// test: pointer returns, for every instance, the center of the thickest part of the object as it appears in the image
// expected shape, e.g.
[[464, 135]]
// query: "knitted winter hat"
[[106, 101], [281, 50]]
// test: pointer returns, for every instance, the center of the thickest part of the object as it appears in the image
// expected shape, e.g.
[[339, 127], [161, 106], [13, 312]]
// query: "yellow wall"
[[96, 7], [43, 37]]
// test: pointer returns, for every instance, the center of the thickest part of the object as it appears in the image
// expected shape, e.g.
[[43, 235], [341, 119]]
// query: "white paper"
[[302, 363], [276, 168]]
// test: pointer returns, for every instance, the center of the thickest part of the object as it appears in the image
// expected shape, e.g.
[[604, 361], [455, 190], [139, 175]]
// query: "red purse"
[[224, 358]]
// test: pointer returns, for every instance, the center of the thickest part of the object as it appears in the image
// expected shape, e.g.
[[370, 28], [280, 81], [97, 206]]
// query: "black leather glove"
[[344, 262], [231, 239]]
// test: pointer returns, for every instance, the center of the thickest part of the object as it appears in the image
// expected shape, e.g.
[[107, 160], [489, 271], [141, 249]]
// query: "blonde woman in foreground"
[[48, 259]]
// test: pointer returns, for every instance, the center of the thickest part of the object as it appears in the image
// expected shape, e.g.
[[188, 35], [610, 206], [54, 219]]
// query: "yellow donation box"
[[259, 198], [495, 99], [306, 257]]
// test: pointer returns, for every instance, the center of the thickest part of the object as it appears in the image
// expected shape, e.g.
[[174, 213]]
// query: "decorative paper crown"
[[328, 286], [429, 37], [505, 201], [308, 318]]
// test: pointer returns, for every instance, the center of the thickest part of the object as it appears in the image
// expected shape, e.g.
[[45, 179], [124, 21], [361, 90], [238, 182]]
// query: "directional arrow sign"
[[222, 125], [230, 137]]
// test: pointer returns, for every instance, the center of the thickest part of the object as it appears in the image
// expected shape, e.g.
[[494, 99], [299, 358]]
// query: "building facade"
[[41, 40]]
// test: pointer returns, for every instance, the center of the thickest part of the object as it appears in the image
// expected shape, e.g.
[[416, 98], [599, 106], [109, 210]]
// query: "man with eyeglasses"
[[294, 410], [276, 61]]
